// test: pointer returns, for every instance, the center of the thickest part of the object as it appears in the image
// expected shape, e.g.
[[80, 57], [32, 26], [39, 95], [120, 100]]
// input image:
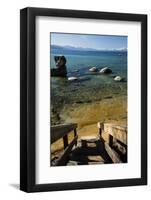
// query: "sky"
[[89, 41]]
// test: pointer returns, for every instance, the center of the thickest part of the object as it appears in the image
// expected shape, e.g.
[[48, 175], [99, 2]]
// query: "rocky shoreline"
[[94, 96], [97, 85], [110, 109]]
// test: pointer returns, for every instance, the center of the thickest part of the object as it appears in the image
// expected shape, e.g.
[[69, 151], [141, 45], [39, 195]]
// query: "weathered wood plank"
[[63, 159], [113, 155], [118, 132], [71, 162], [60, 131], [100, 125]]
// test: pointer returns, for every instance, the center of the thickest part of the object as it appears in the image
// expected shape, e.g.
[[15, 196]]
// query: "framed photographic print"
[[83, 95]]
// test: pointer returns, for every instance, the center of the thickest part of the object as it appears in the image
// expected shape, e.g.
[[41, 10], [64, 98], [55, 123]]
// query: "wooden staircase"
[[90, 150]]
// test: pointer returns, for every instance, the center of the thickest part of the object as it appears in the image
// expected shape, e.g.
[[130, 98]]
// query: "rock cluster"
[[61, 70], [105, 70]]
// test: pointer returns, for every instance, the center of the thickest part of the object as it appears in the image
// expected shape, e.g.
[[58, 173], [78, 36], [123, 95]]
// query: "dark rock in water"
[[108, 97], [79, 101], [88, 101], [75, 70], [60, 69], [105, 70], [113, 76], [85, 101]]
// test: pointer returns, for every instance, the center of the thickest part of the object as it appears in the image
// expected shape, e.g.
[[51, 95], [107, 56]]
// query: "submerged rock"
[[118, 78], [80, 79], [93, 69], [106, 70], [72, 78], [108, 97], [113, 76], [75, 70], [84, 101], [60, 69], [79, 102], [83, 78]]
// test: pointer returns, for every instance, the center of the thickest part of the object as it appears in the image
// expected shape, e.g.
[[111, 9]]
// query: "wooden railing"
[[62, 131], [115, 139]]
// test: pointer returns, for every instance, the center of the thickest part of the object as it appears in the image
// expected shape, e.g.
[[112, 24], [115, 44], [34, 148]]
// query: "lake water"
[[90, 87]]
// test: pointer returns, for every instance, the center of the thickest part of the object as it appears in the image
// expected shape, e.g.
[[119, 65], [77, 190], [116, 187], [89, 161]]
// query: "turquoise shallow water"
[[117, 61], [90, 86]]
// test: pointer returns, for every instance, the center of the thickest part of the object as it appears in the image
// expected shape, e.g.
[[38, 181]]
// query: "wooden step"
[[95, 163], [92, 138], [96, 158], [71, 163]]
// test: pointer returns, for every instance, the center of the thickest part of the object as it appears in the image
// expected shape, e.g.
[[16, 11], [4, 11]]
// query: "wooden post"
[[65, 141], [101, 128], [84, 143], [110, 140], [113, 155], [63, 159], [100, 132], [75, 134]]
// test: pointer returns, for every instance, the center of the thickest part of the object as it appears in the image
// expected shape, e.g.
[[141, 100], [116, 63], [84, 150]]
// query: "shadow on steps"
[[89, 152]]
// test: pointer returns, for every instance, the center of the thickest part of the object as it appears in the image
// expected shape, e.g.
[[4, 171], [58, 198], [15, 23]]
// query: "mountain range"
[[72, 48]]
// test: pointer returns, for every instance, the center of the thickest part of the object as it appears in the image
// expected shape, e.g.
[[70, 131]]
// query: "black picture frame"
[[28, 99]]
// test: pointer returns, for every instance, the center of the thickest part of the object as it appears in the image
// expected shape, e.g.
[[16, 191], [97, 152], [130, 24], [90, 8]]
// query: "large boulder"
[[106, 70], [60, 69], [93, 69]]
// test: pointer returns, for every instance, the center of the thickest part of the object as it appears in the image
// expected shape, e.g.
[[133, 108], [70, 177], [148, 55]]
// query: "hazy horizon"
[[89, 42], [85, 49]]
